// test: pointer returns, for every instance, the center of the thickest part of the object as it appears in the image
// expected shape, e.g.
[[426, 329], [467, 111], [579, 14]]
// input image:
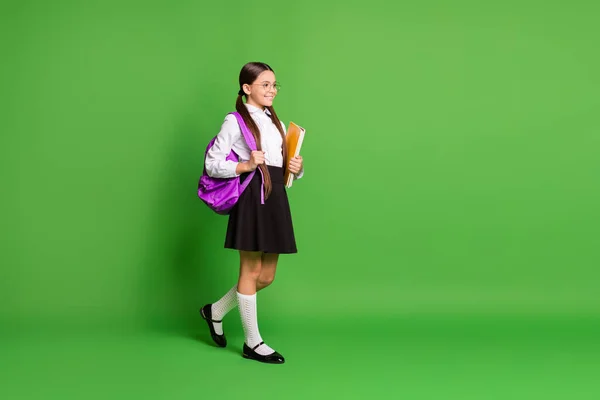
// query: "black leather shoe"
[[274, 358], [206, 313]]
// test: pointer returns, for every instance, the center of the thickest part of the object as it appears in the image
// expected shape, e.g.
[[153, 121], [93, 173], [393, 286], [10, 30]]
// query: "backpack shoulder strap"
[[252, 145], [245, 131]]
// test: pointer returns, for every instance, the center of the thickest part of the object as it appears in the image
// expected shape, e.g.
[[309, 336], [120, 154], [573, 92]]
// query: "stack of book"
[[293, 140]]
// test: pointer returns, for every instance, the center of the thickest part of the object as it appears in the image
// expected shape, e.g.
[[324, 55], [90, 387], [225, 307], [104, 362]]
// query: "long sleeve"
[[230, 138], [215, 162]]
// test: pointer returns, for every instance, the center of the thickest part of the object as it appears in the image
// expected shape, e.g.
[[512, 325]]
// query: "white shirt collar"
[[252, 109]]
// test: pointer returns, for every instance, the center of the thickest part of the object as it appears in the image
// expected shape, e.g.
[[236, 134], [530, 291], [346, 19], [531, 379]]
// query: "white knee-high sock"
[[220, 308], [248, 313]]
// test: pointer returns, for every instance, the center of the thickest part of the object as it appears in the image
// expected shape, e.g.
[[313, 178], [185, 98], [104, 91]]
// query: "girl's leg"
[[221, 307], [267, 272], [250, 268], [250, 271]]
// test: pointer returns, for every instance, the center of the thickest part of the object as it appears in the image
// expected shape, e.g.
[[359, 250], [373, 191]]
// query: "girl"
[[260, 232]]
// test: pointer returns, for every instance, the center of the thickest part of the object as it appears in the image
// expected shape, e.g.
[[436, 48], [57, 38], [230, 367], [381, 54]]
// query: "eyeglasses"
[[268, 86]]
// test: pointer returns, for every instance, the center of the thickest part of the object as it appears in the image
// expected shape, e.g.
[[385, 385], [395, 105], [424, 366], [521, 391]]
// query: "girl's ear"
[[246, 88]]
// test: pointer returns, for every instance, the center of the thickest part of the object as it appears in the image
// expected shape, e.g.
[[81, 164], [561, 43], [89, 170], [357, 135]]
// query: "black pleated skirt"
[[265, 227]]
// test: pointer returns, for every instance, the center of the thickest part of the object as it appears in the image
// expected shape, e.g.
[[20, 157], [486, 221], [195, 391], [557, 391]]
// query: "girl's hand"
[[256, 158], [296, 165]]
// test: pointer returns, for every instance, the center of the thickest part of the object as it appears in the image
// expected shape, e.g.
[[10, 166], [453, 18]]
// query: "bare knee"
[[250, 266], [269, 266], [265, 280], [253, 275]]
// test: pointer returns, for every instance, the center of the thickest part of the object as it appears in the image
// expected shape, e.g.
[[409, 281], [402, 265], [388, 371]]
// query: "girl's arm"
[[215, 161]]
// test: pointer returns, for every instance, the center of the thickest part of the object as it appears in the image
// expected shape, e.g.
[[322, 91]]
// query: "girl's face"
[[262, 91]]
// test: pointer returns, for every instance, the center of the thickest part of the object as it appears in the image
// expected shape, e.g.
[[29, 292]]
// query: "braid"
[[277, 123], [241, 108]]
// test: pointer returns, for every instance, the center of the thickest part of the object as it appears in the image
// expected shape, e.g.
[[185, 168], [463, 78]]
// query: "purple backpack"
[[222, 194]]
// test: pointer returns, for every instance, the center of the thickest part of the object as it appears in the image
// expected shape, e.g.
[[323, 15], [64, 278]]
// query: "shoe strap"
[[210, 319], [257, 346]]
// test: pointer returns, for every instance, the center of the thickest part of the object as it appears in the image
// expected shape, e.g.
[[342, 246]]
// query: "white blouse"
[[230, 138]]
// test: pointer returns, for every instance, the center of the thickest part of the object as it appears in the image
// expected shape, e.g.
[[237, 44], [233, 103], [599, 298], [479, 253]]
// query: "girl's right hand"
[[256, 158]]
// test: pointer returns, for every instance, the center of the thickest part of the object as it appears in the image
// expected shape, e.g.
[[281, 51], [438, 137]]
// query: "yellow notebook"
[[293, 141]]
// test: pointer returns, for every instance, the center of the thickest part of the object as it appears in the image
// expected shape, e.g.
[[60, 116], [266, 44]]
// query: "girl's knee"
[[253, 274], [251, 267], [266, 280]]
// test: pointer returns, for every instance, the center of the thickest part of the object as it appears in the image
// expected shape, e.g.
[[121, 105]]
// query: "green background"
[[447, 224]]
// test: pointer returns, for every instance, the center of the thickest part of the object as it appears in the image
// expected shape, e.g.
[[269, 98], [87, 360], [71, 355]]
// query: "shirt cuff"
[[223, 169]]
